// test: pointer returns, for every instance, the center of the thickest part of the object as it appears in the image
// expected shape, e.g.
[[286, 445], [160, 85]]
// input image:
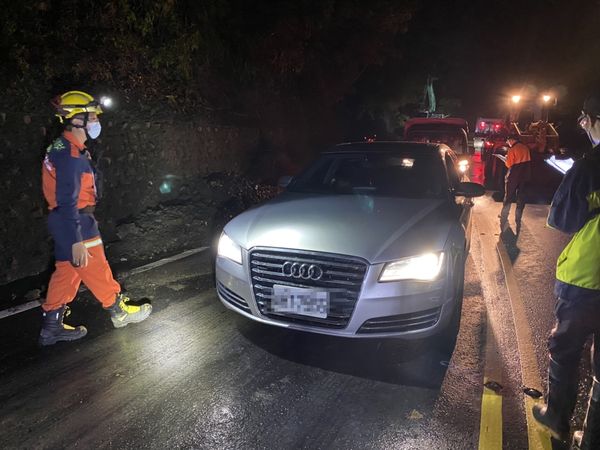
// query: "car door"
[[464, 204]]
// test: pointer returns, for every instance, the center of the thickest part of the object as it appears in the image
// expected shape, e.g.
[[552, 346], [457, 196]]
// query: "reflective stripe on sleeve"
[[93, 243]]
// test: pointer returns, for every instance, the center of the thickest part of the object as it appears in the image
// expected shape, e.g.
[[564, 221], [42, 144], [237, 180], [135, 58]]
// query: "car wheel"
[[447, 337]]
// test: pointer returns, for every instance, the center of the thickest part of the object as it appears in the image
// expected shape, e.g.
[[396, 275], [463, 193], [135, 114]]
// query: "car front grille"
[[401, 322], [342, 276], [231, 297]]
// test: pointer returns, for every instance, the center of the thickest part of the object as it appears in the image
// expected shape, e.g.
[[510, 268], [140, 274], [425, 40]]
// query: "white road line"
[[161, 262], [19, 308]]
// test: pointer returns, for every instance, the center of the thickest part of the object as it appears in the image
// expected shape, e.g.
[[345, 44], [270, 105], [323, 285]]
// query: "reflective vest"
[[518, 161], [576, 209]]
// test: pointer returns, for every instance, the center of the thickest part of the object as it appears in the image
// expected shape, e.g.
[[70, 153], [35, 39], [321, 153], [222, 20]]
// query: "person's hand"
[[80, 254]]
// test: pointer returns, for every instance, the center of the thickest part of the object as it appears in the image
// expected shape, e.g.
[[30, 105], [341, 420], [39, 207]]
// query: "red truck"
[[452, 131]]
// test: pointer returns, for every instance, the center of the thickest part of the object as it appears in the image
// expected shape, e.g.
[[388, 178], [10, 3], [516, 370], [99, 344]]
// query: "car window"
[[453, 176], [407, 175], [455, 140], [436, 127]]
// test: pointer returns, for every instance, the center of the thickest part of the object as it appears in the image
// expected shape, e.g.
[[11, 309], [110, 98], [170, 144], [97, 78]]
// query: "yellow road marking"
[[490, 425], [538, 438]]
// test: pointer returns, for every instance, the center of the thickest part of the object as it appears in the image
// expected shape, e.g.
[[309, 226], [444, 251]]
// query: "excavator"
[[543, 141], [432, 126]]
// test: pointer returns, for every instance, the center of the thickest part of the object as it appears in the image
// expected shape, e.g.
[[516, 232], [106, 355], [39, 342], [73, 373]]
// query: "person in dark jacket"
[[69, 186], [518, 162], [576, 209]]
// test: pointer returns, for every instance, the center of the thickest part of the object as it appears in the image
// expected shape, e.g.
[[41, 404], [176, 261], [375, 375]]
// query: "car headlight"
[[463, 165], [424, 267], [229, 249]]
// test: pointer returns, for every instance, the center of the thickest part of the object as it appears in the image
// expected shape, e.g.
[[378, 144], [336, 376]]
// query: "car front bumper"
[[406, 309]]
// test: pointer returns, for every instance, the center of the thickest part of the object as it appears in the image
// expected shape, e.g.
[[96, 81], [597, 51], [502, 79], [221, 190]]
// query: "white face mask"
[[93, 129]]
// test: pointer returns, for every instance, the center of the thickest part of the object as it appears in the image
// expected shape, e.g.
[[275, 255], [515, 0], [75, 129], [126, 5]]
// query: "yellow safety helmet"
[[75, 102]]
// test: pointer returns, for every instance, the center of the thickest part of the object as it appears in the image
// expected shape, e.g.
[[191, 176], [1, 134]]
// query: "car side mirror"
[[468, 189], [284, 181]]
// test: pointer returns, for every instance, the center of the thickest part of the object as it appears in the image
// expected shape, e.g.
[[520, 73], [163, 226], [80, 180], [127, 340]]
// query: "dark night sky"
[[480, 52], [483, 50]]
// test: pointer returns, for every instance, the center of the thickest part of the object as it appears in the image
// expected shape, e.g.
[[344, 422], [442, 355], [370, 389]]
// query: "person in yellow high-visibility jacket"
[[576, 209]]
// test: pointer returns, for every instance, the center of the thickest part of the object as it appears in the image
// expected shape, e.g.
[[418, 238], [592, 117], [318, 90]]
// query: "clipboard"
[[500, 157], [562, 165]]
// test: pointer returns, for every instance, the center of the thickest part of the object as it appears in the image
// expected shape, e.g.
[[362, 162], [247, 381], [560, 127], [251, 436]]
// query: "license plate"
[[302, 301]]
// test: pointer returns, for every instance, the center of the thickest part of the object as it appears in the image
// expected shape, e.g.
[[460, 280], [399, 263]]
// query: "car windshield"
[[456, 141], [406, 174], [439, 127], [490, 127]]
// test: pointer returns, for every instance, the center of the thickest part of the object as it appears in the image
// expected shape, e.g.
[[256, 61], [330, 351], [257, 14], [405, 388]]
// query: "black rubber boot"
[[122, 314], [562, 395], [589, 438], [54, 330]]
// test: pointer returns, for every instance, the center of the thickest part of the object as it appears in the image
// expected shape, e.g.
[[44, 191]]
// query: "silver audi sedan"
[[369, 241]]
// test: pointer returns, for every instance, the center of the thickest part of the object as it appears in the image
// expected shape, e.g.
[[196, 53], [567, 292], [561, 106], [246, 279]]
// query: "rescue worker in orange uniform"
[[518, 162], [69, 185]]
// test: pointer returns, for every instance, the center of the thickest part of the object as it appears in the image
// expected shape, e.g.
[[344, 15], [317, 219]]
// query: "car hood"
[[377, 229]]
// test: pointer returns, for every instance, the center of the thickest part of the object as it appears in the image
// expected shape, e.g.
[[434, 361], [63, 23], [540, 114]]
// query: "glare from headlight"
[[424, 267], [463, 165], [229, 249]]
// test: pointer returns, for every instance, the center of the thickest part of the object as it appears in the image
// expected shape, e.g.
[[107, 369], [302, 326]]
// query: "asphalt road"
[[196, 375]]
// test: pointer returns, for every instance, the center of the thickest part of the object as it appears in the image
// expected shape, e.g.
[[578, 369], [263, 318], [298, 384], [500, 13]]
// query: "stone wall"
[[165, 184]]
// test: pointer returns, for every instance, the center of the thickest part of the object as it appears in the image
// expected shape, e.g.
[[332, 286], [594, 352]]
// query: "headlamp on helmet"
[[75, 102], [106, 102]]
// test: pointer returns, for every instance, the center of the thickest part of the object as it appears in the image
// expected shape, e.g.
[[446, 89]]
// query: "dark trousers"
[[576, 321], [514, 188]]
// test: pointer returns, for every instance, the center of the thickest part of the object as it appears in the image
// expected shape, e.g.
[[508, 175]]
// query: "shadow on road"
[[509, 238], [420, 363]]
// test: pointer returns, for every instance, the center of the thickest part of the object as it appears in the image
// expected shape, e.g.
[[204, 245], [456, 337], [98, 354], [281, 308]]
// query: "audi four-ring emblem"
[[302, 270]]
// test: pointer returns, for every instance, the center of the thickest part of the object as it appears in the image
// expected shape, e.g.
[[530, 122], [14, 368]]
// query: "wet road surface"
[[196, 375]]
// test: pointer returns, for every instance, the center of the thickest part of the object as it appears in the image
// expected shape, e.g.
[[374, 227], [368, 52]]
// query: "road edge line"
[[538, 438], [161, 262]]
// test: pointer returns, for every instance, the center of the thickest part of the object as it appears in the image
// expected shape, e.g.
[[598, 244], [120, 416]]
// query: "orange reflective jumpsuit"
[[69, 186]]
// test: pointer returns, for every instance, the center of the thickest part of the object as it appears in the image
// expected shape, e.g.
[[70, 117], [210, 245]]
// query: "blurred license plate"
[[302, 301]]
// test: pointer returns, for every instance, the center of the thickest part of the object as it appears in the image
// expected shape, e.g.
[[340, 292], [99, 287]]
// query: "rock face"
[[166, 185]]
